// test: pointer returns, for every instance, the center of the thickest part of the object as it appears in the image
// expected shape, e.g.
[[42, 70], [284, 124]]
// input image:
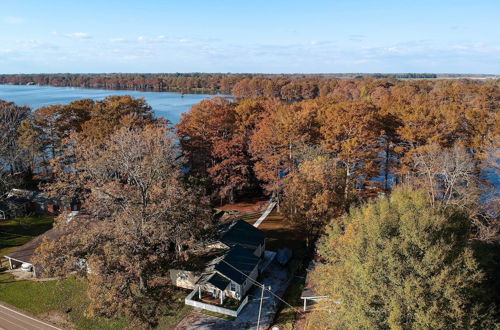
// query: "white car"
[[27, 267]]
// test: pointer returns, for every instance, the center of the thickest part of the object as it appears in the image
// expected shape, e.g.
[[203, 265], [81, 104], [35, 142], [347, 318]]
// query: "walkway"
[[13, 320], [264, 215]]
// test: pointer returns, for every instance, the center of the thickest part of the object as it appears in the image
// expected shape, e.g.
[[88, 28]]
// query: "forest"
[[336, 154]]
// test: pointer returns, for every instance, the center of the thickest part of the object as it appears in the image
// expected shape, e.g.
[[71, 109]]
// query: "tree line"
[[288, 87]]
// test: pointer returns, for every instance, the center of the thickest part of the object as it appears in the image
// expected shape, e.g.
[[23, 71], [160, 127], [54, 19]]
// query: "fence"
[[189, 301]]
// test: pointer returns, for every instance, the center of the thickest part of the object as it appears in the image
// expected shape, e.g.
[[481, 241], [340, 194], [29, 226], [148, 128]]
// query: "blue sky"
[[250, 36]]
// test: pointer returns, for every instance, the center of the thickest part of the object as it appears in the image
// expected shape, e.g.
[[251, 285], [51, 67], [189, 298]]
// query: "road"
[[14, 320]]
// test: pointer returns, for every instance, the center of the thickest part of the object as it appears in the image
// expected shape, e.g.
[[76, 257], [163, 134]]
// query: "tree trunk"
[[386, 169]]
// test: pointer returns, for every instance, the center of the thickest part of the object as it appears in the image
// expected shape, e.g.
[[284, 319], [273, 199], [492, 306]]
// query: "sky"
[[438, 36]]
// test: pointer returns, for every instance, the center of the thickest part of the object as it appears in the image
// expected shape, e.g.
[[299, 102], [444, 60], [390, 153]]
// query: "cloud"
[[357, 37], [13, 20], [78, 35]]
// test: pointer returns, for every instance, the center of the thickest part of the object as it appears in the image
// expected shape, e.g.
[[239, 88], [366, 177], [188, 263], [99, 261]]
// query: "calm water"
[[166, 105]]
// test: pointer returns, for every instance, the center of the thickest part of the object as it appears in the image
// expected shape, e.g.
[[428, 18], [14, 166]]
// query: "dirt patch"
[[60, 319], [281, 233], [20, 274], [246, 207]]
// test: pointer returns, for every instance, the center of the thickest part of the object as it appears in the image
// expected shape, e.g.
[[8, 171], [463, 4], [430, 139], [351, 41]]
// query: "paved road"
[[14, 320]]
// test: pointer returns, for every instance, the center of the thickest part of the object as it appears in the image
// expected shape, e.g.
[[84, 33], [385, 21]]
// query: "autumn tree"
[[139, 221], [12, 161], [450, 177], [214, 137], [314, 195], [45, 134], [400, 263], [279, 139], [107, 115], [351, 132]]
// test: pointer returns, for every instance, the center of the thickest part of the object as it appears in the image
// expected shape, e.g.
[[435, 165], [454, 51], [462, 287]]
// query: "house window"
[[233, 286]]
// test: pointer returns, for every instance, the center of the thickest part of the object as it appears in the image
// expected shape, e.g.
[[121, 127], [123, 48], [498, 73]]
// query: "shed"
[[25, 253]]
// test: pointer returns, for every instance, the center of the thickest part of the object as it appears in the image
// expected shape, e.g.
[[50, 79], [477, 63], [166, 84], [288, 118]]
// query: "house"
[[20, 202], [231, 272], [230, 234], [242, 233], [231, 275]]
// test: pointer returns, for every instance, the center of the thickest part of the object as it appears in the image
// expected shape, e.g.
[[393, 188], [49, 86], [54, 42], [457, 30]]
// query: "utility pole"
[[260, 305]]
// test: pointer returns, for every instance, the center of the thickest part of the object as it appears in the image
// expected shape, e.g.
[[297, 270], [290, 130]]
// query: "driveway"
[[11, 319], [275, 276]]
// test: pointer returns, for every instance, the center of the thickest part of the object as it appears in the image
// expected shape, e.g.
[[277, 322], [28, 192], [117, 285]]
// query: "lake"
[[165, 104]]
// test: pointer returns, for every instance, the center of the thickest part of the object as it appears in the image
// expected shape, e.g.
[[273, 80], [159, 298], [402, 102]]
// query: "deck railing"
[[209, 307]]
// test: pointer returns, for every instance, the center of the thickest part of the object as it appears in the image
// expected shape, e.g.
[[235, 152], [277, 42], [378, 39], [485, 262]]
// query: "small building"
[[24, 254], [231, 275], [20, 202], [309, 295]]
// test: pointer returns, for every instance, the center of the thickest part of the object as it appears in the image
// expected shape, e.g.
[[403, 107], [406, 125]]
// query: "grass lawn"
[[18, 231], [68, 299]]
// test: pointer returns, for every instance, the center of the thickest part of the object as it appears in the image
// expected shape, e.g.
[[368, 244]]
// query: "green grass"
[[287, 316], [28, 227], [68, 297]]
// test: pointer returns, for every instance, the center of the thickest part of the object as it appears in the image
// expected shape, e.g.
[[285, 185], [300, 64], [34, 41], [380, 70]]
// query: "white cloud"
[[79, 35], [14, 20]]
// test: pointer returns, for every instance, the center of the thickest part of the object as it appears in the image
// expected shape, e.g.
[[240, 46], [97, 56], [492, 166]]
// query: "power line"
[[261, 285]]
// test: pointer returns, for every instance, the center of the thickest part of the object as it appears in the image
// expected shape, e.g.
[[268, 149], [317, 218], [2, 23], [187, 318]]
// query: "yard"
[[61, 302], [64, 303], [280, 233], [18, 231]]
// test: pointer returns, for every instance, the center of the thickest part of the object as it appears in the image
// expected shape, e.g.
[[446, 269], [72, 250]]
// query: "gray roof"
[[25, 252], [220, 282], [242, 233], [237, 264], [39, 197]]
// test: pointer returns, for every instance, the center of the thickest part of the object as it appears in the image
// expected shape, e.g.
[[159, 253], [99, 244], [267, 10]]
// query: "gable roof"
[[237, 264], [220, 282], [242, 233], [25, 252]]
